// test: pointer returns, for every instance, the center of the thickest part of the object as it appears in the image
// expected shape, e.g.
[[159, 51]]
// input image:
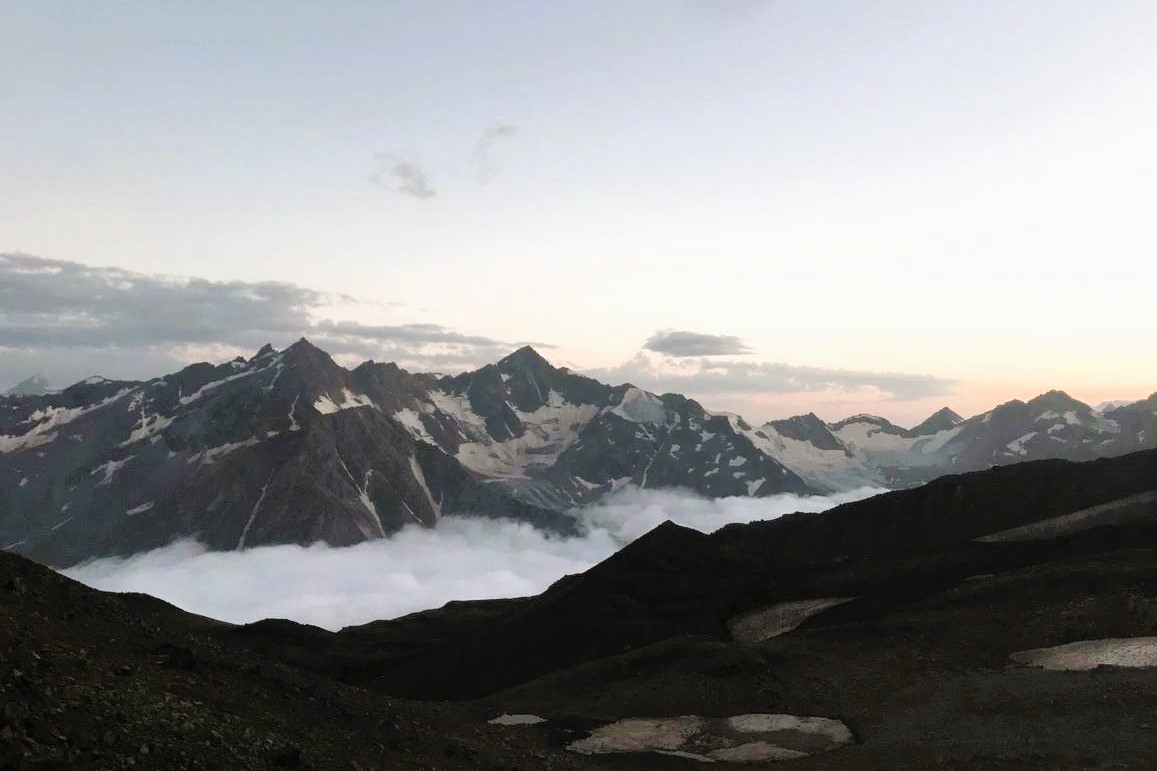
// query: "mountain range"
[[289, 447]]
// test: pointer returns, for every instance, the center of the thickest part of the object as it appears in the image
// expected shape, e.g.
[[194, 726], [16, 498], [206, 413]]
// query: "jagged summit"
[[941, 420], [524, 358], [1057, 401], [266, 350], [304, 345], [807, 428]]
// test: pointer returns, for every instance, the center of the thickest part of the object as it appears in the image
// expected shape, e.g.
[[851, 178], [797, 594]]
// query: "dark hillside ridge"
[[918, 658]]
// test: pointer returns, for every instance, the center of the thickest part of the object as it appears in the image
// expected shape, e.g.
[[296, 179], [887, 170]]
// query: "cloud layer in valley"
[[416, 568]]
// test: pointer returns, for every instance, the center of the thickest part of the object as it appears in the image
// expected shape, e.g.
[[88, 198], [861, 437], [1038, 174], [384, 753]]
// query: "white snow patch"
[[639, 406], [824, 469], [211, 454], [364, 497], [761, 624], [1016, 446], [253, 513], [416, 469], [411, 420], [109, 469], [140, 509], [214, 385], [293, 425], [149, 426], [49, 418], [547, 433], [709, 740], [327, 406], [508, 719], [1134, 652]]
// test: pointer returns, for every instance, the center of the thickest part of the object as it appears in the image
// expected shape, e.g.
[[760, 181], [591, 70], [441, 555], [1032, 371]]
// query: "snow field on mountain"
[[548, 431]]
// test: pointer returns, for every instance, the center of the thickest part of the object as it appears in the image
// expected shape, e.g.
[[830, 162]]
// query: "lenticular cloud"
[[417, 568]]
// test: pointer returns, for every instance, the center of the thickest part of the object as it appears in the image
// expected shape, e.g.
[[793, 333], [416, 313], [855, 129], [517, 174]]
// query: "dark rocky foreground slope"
[[898, 616]]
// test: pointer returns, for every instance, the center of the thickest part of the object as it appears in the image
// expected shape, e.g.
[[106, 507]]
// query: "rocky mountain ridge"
[[289, 447]]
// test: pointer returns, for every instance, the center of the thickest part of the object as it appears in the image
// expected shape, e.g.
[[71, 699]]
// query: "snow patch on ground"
[[750, 738], [516, 720], [1134, 508], [1132, 652], [773, 620]]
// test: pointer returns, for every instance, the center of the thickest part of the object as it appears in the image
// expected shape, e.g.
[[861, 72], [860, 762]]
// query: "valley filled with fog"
[[418, 568]]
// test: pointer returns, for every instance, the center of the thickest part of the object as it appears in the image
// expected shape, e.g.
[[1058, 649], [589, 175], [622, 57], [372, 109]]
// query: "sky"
[[461, 558], [774, 206]]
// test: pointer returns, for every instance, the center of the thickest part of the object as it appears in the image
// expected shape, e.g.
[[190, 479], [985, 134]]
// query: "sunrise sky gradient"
[[958, 191]]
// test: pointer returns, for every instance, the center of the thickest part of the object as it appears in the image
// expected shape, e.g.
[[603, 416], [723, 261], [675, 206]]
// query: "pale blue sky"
[[963, 190]]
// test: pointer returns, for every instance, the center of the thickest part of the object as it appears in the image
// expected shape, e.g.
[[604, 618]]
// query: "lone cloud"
[[672, 342]]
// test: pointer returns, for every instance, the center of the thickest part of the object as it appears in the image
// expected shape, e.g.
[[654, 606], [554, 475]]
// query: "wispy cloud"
[[701, 376], [484, 165], [402, 175], [417, 568], [673, 342]]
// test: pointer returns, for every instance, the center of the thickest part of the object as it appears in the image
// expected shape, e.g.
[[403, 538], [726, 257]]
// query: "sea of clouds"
[[417, 568]]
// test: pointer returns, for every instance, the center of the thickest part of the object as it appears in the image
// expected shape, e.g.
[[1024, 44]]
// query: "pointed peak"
[[303, 345], [1056, 401], [941, 420], [304, 348], [266, 350], [524, 357]]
